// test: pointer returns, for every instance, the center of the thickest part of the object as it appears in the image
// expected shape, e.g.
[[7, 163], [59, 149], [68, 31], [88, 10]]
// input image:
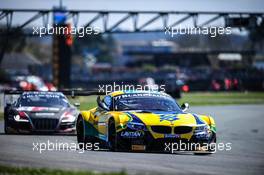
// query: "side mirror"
[[185, 107], [77, 104], [101, 104]]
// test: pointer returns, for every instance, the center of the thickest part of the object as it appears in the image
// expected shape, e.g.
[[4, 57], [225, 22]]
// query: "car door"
[[103, 115]]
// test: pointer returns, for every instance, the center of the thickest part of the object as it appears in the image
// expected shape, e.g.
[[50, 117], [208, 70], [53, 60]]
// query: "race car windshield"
[[147, 104], [44, 101]]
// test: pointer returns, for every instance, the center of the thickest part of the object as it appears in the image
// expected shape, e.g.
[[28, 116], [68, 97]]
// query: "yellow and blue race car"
[[144, 121]]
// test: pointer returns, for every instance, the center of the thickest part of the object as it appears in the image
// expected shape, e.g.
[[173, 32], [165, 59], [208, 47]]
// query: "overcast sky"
[[204, 5], [162, 5]]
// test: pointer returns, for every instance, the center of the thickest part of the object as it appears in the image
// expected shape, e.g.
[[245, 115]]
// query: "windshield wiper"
[[137, 110], [150, 110], [144, 111], [158, 109]]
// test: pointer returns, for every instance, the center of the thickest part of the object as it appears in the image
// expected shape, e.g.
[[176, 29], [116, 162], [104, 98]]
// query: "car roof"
[[43, 93]]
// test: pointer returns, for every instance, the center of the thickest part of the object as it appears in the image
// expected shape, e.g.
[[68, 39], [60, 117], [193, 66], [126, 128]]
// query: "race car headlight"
[[68, 117], [21, 117], [136, 126], [201, 129]]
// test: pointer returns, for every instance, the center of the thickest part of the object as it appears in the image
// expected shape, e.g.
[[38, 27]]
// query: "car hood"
[[165, 118]]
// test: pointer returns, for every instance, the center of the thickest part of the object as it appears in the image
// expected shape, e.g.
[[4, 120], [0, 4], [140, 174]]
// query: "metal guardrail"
[[69, 92]]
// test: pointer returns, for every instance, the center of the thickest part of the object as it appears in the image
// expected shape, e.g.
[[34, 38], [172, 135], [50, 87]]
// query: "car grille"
[[45, 124], [161, 129], [182, 129]]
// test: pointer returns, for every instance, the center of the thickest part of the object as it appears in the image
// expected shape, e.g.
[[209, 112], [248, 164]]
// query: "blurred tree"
[[4, 77], [11, 41], [148, 68], [41, 50], [207, 42], [97, 45]]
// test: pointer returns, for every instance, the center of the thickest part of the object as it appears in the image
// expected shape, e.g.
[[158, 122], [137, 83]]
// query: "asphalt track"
[[243, 126]]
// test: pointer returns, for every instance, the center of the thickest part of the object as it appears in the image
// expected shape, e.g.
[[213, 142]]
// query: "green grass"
[[198, 99], [222, 98], [7, 170], [1, 115], [86, 103]]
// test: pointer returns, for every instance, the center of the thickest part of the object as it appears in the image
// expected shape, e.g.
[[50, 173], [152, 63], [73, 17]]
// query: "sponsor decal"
[[172, 136], [44, 114], [168, 117], [37, 95], [132, 134], [140, 95], [34, 109]]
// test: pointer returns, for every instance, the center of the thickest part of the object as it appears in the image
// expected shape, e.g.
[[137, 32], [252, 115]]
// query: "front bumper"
[[146, 142], [42, 125]]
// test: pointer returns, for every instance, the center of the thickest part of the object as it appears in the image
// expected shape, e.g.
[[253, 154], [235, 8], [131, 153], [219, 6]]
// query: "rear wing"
[[72, 93], [8, 96]]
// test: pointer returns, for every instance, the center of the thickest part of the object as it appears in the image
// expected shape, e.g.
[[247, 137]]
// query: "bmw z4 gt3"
[[142, 121]]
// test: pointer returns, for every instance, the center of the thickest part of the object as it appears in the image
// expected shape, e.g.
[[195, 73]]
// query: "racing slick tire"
[[212, 141], [114, 143], [7, 128], [7, 131], [81, 138], [112, 136]]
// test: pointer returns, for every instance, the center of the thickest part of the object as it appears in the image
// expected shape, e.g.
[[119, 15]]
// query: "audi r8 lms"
[[40, 112], [144, 121]]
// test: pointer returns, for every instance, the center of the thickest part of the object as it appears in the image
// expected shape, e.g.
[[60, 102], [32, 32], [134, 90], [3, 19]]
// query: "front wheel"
[[112, 138], [7, 128], [212, 148], [82, 139], [80, 132]]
